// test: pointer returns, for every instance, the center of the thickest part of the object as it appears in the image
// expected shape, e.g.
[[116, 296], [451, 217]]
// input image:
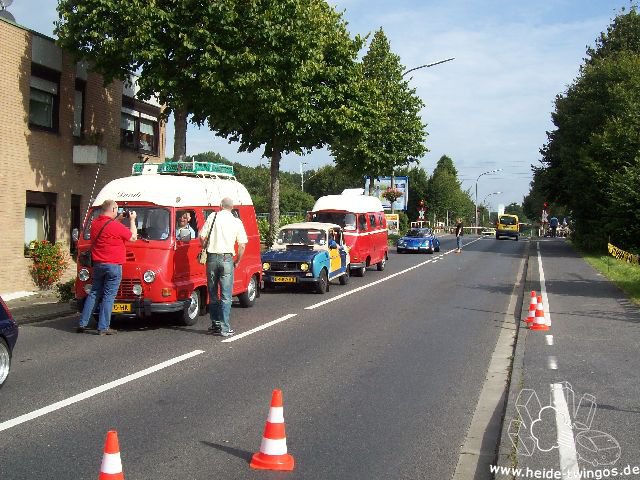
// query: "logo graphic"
[[546, 428]]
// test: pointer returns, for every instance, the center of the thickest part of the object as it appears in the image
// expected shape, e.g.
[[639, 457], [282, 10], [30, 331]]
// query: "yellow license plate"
[[121, 307], [284, 279]]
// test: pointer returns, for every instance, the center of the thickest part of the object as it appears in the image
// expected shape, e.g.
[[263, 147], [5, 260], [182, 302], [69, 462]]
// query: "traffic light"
[[545, 205], [422, 203]]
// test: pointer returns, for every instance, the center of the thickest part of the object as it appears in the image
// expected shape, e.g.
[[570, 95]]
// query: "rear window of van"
[[508, 221]]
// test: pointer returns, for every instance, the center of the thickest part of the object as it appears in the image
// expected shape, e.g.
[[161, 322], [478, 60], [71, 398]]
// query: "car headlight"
[[304, 267], [137, 289], [84, 275], [87, 288], [266, 266], [401, 243], [149, 276]]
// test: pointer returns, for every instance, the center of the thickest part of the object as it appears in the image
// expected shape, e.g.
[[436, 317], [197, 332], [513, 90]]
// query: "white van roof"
[[348, 203], [174, 190]]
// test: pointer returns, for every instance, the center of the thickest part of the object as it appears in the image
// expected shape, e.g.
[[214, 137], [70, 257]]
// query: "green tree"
[[385, 129], [330, 180], [446, 199], [283, 82]]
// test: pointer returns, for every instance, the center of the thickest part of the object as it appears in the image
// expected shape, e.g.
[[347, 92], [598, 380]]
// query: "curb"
[[506, 450], [39, 313]]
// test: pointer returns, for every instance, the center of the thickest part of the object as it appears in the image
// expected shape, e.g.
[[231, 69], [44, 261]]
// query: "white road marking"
[[261, 327], [94, 391], [393, 275], [549, 339], [552, 362], [567, 446], [543, 290]]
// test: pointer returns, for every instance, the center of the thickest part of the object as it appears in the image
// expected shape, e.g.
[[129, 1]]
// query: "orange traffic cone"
[[540, 322], [533, 303], [111, 468], [273, 449]]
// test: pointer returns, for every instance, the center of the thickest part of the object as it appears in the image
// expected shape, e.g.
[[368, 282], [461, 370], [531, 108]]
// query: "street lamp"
[[485, 199], [428, 65], [302, 176], [485, 173]]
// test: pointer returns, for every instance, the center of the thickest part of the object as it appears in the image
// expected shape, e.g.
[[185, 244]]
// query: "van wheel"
[[381, 264], [359, 272], [5, 361], [189, 316], [323, 282], [248, 298], [344, 279]]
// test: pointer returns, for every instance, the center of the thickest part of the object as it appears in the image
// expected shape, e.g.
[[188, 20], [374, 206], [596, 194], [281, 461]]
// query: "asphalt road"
[[378, 384]]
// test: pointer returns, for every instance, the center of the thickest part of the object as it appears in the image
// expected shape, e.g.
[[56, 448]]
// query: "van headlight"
[[149, 276], [304, 267], [266, 266], [83, 275]]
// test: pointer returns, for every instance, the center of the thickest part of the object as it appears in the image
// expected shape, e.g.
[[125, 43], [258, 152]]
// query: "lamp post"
[[485, 173], [485, 199], [428, 65], [302, 176]]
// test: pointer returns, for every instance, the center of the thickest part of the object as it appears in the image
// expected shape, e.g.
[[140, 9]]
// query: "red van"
[[365, 227], [161, 274]]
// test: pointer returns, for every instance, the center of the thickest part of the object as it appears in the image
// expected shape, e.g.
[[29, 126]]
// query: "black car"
[[8, 337]]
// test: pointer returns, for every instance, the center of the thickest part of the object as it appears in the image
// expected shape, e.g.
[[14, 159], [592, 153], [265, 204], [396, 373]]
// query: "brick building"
[[62, 131]]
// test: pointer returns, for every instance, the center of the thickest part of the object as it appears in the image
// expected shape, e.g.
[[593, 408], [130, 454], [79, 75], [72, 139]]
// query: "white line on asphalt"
[[543, 290], [549, 339], [567, 446], [95, 391], [552, 362], [261, 327], [355, 290]]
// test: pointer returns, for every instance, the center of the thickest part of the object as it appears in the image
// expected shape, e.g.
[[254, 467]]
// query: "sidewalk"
[[572, 408], [43, 305]]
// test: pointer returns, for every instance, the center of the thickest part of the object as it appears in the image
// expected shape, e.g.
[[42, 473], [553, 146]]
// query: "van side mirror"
[[75, 234]]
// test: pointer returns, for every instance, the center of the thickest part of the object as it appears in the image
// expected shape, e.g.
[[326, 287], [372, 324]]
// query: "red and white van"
[[161, 273], [365, 227]]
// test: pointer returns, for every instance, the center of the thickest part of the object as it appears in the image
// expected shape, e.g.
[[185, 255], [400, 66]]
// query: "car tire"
[[248, 298], [189, 316], [437, 249], [359, 272], [381, 264], [5, 361], [322, 286], [344, 279]]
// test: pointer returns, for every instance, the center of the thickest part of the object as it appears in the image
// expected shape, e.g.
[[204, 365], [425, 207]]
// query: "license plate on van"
[[284, 279], [121, 308]]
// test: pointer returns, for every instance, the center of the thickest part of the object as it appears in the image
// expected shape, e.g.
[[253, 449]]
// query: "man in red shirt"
[[108, 253]]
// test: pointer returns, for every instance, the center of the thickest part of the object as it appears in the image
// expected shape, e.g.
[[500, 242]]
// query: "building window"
[[40, 217], [44, 99], [139, 131], [78, 108]]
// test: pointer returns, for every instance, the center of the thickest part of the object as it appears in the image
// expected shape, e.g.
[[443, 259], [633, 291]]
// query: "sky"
[[487, 109]]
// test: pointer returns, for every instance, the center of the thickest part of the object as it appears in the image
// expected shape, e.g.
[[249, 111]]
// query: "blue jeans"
[[220, 283], [459, 242], [106, 280]]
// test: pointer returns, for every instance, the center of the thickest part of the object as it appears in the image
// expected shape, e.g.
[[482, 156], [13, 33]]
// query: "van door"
[[185, 232]]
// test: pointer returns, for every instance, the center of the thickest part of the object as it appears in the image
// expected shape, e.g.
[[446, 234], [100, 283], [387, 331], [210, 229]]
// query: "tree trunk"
[[274, 208], [180, 134]]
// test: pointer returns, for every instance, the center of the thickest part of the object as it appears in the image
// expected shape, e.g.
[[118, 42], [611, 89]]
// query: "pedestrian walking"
[[108, 253], [220, 233], [459, 233]]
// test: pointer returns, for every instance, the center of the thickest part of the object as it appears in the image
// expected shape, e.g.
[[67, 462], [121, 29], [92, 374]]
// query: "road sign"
[[421, 214], [545, 216]]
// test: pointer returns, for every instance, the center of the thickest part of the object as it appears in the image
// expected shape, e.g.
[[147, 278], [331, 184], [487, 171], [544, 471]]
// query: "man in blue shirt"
[[553, 223]]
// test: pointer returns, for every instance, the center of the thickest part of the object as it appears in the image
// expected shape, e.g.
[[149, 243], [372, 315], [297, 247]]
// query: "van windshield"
[[152, 223], [345, 220]]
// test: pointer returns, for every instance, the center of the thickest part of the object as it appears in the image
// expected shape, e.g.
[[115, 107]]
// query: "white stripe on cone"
[[269, 446], [111, 463], [276, 415]]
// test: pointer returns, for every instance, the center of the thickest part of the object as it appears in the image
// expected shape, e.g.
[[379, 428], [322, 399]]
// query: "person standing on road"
[[459, 233], [108, 253], [223, 230], [553, 223]]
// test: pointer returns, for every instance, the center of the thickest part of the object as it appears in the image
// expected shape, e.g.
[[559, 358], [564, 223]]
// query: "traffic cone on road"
[[111, 468], [273, 449], [533, 303], [540, 322]]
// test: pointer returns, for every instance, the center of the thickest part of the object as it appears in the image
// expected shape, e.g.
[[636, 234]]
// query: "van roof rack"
[[196, 169]]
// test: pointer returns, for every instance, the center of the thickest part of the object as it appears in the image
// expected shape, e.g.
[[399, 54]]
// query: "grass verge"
[[624, 275]]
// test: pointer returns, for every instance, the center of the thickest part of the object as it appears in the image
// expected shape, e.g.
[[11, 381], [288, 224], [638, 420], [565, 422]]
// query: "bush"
[[66, 290], [49, 263]]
